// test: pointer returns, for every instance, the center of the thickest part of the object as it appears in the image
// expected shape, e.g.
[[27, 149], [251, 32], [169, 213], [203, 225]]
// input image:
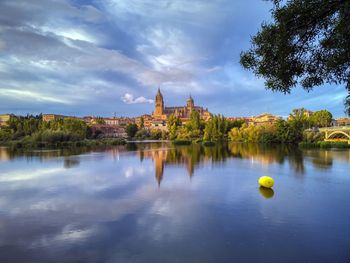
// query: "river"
[[154, 202]]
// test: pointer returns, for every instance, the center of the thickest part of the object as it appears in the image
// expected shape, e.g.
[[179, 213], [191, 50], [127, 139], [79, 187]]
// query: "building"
[[265, 118], [341, 122], [106, 130], [53, 117], [161, 112], [147, 120], [111, 121], [4, 118]]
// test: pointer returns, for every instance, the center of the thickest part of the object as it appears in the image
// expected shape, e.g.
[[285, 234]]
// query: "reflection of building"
[[4, 154], [162, 112], [159, 157], [187, 157]]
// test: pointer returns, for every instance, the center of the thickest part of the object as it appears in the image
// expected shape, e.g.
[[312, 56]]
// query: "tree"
[[215, 129], [131, 130], [173, 123], [308, 43], [300, 117], [194, 127], [76, 128], [100, 120], [142, 122], [322, 118]]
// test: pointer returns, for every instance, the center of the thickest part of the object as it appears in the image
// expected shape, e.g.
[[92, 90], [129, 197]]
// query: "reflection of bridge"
[[337, 133]]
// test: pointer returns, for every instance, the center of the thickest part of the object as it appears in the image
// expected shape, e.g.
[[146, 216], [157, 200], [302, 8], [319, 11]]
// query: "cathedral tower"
[[190, 103], [159, 110]]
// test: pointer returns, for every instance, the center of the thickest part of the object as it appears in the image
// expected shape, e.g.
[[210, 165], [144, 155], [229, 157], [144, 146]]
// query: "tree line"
[[33, 128], [295, 129]]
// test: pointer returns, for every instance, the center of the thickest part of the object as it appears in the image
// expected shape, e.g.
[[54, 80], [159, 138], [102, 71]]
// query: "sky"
[[106, 57]]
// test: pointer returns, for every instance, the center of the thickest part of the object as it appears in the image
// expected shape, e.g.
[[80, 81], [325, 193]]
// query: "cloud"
[[129, 99], [30, 96], [88, 53]]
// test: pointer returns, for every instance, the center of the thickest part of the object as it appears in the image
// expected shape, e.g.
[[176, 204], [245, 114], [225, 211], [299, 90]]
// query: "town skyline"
[[153, 106]]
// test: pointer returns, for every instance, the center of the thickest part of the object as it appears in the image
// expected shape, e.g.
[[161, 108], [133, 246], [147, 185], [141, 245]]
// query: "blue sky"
[[105, 57]]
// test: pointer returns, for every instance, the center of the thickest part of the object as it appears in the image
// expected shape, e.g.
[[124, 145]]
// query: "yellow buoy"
[[266, 181]]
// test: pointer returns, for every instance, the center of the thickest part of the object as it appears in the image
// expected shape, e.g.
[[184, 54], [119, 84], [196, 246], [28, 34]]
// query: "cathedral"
[[162, 112]]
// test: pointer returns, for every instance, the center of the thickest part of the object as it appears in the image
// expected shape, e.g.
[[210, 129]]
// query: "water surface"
[[159, 203]]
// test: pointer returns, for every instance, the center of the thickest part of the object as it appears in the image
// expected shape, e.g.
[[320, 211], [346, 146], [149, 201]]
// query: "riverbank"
[[26, 144], [324, 145]]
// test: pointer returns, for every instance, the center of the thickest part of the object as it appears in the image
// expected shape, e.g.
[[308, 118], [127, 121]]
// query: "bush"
[[142, 134]]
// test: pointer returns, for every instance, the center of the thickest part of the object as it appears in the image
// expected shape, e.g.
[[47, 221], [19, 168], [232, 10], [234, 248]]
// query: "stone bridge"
[[337, 133]]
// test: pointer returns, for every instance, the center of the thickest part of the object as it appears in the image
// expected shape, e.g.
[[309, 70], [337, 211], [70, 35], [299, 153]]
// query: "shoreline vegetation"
[[300, 128]]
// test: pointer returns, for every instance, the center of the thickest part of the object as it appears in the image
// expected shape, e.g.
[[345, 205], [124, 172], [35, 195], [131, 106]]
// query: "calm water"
[[157, 203]]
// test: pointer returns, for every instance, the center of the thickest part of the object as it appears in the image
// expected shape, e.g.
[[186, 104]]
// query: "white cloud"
[[31, 95], [129, 99]]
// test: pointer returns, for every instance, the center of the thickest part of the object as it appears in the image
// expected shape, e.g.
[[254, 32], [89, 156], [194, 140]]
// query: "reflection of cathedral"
[[167, 157], [183, 112]]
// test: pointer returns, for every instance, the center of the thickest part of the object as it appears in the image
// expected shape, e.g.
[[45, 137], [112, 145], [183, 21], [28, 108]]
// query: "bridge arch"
[[338, 132]]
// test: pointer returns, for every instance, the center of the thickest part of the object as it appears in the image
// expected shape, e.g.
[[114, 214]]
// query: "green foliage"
[[100, 120], [142, 123], [142, 134], [254, 133], [312, 136], [322, 118], [131, 130], [156, 134], [215, 129], [5, 135], [234, 124], [173, 123], [307, 42], [289, 131], [32, 126], [300, 118]]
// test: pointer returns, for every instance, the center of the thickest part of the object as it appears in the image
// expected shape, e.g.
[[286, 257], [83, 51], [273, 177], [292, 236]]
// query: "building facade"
[[161, 112], [4, 118]]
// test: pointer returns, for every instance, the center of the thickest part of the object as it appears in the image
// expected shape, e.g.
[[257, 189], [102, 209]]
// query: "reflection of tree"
[[323, 159], [268, 154], [71, 162]]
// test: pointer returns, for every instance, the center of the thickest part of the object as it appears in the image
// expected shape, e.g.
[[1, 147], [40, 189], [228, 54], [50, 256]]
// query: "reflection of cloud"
[[132, 171], [29, 175], [70, 234]]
